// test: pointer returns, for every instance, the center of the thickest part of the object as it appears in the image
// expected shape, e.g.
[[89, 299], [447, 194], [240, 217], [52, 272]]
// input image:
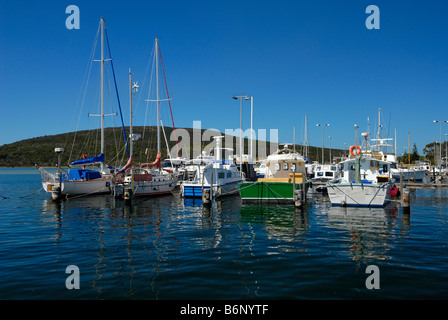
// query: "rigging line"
[[147, 103], [30, 194], [116, 89], [90, 64], [152, 134], [377, 191], [137, 103], [113, 129], [169, 102]]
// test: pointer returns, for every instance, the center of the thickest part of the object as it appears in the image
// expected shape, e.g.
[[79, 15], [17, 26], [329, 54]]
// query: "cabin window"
[[333, 168], [320, 174], [285, 166], [318, 168], [385, 169], [277, 166], [328, 174], [293, 167], [221, 175]]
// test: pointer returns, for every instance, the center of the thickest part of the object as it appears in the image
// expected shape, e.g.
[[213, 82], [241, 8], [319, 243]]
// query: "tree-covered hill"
[[41, 150]]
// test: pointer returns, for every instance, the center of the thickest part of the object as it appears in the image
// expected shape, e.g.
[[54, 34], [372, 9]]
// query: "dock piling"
[[405, 201], [206, 197], [298, 198]]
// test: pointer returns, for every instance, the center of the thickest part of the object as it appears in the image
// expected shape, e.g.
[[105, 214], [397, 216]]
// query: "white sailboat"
[[147, 179], [78, 180]]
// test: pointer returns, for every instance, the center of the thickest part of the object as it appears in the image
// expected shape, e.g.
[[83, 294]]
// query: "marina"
[[277, 153], [174, 248]]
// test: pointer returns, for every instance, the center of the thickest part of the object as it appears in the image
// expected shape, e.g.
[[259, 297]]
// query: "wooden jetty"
[[415, 185]]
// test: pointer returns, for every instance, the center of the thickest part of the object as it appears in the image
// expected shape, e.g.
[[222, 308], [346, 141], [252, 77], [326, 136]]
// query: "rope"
[[31, 193], [378, 190], [116, 90], [331, 186], [85, 194]]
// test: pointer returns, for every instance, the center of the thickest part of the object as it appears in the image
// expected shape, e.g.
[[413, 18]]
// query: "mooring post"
[[298, 201], [401, 181], [128, 194], [304, 188], [299, 195], [405, 201], [206, 197]]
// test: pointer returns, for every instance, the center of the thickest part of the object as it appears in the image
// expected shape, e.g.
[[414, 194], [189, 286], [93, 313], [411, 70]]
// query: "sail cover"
[[128, 164], [156, 163], [91, 160]]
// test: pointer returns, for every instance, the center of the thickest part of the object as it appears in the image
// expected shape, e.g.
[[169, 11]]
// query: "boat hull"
[[359, 194], [147, 188], [409, 175], [194, 190], [276, 192], [73, 188]]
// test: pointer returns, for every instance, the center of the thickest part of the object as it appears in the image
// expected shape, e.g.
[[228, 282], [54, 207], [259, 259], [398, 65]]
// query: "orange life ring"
[[355, 147]]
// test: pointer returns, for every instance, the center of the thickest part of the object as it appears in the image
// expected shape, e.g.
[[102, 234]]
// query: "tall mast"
[[379, 124], [395, 147], [158, 101], [131, 135], [306, 137], [102, 88]]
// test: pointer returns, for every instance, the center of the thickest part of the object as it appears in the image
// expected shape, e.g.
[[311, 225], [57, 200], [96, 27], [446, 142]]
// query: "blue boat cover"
[[91, 160], [81, 174]]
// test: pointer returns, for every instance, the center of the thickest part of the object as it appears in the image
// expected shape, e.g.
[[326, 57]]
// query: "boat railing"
[[48, 176]]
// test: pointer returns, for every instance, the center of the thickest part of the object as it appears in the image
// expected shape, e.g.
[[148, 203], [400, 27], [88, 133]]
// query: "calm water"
[[168, 248]]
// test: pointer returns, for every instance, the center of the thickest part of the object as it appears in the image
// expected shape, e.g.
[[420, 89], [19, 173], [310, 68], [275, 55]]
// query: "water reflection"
[[367, 231], [158, 248]]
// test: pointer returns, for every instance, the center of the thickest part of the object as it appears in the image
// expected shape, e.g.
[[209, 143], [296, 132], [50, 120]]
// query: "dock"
[[416, 185]]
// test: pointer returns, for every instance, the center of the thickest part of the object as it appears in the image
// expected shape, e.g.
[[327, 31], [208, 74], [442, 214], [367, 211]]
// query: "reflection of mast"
[[128, 211]]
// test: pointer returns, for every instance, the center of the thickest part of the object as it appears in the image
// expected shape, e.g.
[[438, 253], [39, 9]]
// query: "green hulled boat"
[[285, 172]]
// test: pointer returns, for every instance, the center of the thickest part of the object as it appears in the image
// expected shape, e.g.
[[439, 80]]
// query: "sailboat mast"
[[379, 124], [306, 137], [158, 101], [102, 88]]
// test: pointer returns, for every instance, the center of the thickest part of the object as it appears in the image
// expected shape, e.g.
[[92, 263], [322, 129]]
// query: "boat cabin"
[[372, 170]]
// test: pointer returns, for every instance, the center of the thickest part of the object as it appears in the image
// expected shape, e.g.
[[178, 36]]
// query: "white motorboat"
[[220, 175], [365, 180], [260, 168], [325, 172]]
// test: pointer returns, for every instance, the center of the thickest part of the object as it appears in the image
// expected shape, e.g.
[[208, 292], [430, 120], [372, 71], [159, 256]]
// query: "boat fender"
[[393, 191], [357, 152]]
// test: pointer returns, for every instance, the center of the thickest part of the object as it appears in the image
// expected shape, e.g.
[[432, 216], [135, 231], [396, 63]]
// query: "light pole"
[[241, 130], [446, 151], [329, 139], [440, 147], [322, 125]]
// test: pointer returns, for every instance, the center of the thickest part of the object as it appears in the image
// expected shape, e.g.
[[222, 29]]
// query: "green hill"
[[40, 150]]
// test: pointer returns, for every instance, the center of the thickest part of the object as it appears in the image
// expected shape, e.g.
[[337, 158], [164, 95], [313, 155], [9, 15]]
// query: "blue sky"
[[293, 57]]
